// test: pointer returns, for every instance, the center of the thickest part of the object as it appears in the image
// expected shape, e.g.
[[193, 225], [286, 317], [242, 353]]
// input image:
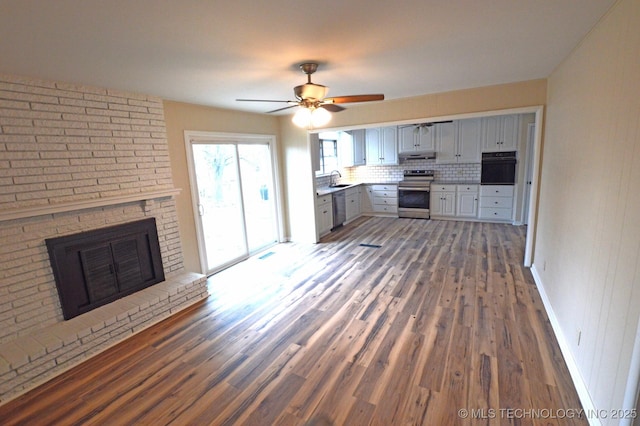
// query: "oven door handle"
[[500, 161]]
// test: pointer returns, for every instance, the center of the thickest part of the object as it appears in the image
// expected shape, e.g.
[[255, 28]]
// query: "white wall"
[[587, 256]]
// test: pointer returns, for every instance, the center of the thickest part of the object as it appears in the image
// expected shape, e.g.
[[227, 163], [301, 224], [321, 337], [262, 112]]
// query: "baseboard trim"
[[574, 371]]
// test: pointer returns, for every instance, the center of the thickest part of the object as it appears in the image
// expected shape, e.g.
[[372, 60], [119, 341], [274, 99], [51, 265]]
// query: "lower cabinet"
[[353, 203], [380, 199], [324, 214], [467, 201], [496, 202], [449, 200], [443, 200]]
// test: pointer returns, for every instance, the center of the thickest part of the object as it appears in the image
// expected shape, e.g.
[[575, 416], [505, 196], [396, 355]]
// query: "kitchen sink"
[[341, 185]]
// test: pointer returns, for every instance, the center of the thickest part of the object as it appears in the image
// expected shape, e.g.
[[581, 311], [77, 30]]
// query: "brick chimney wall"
[[61, 144]]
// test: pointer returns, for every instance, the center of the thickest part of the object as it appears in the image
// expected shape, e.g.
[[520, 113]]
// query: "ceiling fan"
[[311, 96]]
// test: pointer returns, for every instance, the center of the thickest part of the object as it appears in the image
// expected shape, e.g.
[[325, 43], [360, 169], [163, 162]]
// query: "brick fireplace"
[[74, 159]]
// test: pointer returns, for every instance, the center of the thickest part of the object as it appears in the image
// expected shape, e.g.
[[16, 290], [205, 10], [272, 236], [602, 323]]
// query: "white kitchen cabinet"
[[443, 200], [416, 138], [467, 201], [366, 199], [446, 144], [353, 203], [469, 139], [382, 146], [380, 199], [352, 148], [500, 133], [324, 214], [458, 142], [496, 202]]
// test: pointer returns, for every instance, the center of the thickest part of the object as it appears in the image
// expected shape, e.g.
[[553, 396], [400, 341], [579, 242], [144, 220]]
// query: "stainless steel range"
[[413, 194]]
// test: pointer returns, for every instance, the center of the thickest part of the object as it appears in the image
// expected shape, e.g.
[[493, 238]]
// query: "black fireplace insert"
[[96, 267]]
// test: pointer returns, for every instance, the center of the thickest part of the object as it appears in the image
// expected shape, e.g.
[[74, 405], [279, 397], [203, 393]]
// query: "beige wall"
[[588, 241], [298, 177], [490, 98], [180, 117]]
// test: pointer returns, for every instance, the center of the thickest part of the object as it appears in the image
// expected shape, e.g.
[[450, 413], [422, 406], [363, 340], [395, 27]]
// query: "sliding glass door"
[[234, 199]]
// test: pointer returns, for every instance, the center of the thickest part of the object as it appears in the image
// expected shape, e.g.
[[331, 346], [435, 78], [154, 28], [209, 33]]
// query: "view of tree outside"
[[235, 189]]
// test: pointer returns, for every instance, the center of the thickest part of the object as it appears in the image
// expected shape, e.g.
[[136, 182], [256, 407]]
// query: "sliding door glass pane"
[[258, 195], [220, 203]]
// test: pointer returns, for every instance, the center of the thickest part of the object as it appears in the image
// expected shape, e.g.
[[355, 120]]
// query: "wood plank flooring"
[[441, 317]]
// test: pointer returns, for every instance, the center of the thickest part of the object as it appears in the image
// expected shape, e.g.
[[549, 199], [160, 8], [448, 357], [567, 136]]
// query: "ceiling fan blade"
[[332, 107], [354, 98], [260, 100], [282, 109]]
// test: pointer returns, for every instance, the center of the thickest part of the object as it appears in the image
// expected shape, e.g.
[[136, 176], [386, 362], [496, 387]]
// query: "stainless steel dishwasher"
[[339, 209]]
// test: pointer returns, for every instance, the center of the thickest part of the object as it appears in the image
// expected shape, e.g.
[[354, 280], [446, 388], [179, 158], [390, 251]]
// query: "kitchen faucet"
[[331, 182]]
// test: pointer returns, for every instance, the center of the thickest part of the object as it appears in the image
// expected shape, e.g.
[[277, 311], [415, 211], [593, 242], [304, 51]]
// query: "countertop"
[[330, 190], [457, 182]]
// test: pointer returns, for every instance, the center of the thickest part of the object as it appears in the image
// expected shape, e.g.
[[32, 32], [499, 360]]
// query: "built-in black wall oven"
[[414, 193], [498, 168]]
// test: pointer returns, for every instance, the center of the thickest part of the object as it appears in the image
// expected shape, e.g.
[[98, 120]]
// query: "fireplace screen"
[[96, 267]]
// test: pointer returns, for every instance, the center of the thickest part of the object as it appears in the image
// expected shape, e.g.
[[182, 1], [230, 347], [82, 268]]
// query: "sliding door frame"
[[191, 137]]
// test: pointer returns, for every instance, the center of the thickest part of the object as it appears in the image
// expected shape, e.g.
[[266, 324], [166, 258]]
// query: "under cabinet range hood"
[[417, 155]]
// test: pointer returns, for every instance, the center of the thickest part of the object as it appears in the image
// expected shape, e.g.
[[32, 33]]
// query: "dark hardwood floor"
[[427, 319]]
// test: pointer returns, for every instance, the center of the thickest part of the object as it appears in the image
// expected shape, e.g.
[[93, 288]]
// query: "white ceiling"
[[212, 52]]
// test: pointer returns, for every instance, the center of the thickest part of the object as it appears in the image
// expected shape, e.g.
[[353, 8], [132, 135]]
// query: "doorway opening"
[[234, 195]]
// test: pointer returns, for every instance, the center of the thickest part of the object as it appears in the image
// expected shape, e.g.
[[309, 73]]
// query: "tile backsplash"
[[372, 174]]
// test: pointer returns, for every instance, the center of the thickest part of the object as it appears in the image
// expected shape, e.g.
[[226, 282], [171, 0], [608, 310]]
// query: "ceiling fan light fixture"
[[312, 98], [311, 91], [320, 117], [311, 117], [302, 117]]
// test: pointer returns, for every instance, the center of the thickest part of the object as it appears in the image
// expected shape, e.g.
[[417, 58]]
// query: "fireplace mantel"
[[27, 212]]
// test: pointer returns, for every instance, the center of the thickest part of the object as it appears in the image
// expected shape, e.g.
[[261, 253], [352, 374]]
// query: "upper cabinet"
[[416, 138], [458, 141], [382, 146], [359, 151], [352, 148], [469, 137], [500, 133], [455, 142]]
